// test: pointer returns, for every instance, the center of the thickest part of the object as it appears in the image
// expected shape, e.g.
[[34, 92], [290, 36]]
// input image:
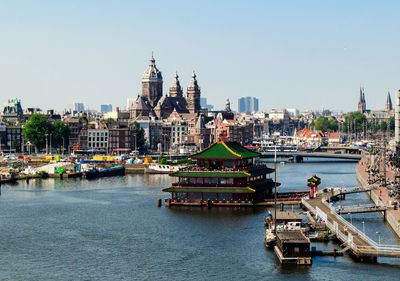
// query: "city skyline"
[[315, 55]]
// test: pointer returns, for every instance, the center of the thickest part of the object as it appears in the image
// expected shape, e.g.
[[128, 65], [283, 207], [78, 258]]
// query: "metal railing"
[[373, 245]]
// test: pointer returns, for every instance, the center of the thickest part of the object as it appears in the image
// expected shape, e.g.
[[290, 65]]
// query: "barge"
[[94, 173]]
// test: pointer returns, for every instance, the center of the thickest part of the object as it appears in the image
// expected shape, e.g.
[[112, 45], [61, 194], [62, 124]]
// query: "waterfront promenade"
[[381, 194]]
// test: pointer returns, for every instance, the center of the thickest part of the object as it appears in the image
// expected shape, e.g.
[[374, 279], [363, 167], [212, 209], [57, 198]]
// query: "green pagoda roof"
[[241, 174], [225, 150]]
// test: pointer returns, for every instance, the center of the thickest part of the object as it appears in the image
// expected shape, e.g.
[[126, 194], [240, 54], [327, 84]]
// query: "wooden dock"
[[358, 243]]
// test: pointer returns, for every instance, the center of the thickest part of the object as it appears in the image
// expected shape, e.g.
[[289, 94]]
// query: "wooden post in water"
[[159, 202]]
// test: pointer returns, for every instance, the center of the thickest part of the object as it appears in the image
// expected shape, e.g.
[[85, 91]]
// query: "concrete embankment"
[[391, 216]]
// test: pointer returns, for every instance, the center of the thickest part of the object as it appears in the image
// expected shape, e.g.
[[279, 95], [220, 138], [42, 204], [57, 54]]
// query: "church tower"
[[175, 90], [152, 83], [362, 106], [388, 106], [193, 96]]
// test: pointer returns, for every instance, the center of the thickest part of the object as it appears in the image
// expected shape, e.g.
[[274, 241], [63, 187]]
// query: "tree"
[[391, 124], [110, 120], [326, 112], [324, 124], [60, 133], [138, 135], [354, 122], [321, 123], [374, 125], [384, 126], [36, 129], [333, 125]]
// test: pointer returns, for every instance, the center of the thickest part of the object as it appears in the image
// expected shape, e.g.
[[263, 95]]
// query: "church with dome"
[[152, 102]]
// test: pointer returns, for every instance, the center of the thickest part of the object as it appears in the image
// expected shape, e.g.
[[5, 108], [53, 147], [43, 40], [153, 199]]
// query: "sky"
[[302, 54]]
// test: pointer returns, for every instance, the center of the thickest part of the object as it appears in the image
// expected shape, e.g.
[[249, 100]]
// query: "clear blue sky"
[[304, 54]]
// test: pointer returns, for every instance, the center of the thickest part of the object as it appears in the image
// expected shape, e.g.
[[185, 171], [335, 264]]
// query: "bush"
[[185, 161], [163, 161], [43, 175]]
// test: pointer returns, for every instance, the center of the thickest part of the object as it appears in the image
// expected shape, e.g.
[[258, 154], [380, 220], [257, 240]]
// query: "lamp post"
[[50, 144], [47, 144]]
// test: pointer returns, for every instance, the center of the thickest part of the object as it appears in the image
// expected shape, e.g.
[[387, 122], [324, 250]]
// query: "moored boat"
[[156, 168], [285, 221], [225, 174], [93, 173]]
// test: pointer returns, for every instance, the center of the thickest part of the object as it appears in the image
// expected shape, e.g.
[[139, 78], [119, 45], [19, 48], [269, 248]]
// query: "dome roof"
[[152, 73]]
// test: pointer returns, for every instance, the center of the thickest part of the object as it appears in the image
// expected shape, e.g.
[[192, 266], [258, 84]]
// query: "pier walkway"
[[365, 208], [337, 191], [358, 242]]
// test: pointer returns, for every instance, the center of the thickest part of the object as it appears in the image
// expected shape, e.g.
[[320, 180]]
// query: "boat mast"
[[275, 191]]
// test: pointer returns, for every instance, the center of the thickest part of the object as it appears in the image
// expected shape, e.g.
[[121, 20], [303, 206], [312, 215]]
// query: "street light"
[[47, 144], [379, 238]]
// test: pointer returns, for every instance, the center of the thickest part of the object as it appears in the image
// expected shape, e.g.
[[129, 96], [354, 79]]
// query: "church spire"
[[362, 105], [193, 95], [176, 90], [388, 106]]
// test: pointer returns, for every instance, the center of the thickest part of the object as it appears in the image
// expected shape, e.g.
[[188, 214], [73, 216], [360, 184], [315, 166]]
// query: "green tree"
[[324, 124], [333, 125], [384, 126], [354, 122], [391, 124], [60, 133], [110, 120], [326, 112], [36, 129], [374, 125], [138, 135], [321, 123]]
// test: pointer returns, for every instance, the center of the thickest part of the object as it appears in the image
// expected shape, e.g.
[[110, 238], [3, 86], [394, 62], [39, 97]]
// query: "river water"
[[111, 229]]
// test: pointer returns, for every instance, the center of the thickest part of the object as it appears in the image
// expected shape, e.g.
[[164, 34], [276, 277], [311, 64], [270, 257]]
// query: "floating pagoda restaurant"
[[225, 174]]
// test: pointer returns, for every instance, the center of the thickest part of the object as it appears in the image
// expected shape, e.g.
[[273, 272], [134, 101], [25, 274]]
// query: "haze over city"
[[309, 55]]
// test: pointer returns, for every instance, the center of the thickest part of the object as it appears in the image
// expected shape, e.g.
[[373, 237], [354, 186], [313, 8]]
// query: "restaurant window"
[[229, 163]]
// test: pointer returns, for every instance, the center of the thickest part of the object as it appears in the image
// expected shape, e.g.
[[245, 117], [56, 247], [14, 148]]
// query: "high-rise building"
[[79, 107], [203, 104], [104, 108], [248, 104]]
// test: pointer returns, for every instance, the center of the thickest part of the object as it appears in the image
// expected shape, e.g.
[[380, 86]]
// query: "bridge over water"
[[299, 156]]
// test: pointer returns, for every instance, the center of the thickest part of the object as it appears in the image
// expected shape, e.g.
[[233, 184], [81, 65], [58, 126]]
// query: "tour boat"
[[156, 168]]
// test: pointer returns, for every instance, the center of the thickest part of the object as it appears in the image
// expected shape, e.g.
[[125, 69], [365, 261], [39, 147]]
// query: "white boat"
[[156, 168]]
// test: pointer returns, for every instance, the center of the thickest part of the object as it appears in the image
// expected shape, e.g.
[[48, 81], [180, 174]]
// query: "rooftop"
[[225, 150]]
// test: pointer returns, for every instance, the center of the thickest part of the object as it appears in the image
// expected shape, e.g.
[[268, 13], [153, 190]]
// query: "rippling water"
[[111, 229]]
